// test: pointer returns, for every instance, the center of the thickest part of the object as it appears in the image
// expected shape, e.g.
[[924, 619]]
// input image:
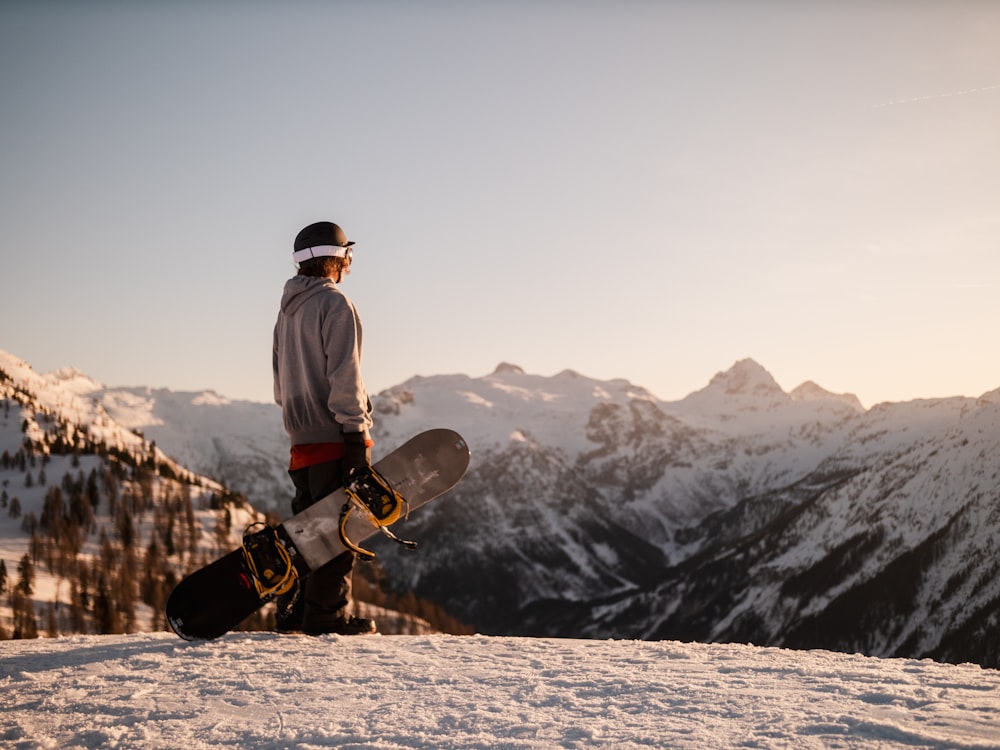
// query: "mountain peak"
[[744, 386], [508, 367], [746, 377], [73, 380]]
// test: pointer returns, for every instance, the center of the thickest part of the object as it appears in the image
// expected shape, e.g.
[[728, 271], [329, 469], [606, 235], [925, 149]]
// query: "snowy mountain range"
[[739, 513]]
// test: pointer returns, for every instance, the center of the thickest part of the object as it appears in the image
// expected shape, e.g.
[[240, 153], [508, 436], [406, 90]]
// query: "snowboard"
[[213, 600]]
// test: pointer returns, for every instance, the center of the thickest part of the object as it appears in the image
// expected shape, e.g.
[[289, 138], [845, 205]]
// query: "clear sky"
[[645, 190]]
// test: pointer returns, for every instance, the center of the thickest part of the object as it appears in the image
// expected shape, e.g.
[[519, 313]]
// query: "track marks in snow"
[[392, 692]]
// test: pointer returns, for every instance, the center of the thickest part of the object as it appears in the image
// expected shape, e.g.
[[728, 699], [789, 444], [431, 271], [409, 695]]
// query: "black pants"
[[325, 597]]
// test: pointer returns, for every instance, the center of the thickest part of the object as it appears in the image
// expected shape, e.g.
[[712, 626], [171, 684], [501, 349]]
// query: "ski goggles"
[[319, 251]]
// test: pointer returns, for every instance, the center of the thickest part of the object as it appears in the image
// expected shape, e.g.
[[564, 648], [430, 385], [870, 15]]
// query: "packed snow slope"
[[394, 692]]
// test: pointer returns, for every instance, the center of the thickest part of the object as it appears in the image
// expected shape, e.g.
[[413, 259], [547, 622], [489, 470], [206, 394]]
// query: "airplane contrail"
[[910, 100]]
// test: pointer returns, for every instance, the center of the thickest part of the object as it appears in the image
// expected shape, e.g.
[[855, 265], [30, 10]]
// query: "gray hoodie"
[[317, 363]]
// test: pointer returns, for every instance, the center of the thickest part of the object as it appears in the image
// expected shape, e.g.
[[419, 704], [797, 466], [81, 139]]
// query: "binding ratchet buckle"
[[268, 561], [370, 492]]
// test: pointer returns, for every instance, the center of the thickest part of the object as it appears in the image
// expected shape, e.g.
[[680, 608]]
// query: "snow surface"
[[263, 690]]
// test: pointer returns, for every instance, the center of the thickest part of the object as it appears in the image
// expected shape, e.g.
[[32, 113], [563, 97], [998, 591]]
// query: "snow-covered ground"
[[260, 690]]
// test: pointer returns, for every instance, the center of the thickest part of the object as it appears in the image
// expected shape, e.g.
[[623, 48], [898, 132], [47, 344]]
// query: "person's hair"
[[326, 266]]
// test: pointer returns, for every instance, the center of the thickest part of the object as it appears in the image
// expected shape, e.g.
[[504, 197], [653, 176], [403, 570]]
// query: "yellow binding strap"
[[268, 561]]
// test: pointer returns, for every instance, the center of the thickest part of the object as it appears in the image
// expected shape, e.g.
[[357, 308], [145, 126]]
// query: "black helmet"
[[321, 238]]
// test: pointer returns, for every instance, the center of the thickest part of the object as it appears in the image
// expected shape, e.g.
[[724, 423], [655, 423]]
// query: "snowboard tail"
[[213, 600]]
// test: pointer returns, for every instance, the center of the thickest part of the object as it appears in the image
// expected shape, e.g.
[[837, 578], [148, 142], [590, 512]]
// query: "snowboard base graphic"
[[213, 600]]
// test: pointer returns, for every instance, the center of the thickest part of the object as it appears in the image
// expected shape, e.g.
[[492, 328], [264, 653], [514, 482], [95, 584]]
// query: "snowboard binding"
[[268, 560], [371, 493]]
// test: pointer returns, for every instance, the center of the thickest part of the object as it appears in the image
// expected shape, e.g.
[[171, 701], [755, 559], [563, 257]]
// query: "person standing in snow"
[[326, 412]]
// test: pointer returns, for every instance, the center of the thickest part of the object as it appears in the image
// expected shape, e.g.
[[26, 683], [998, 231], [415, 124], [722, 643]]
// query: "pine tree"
[[104, 615], [83, 573], [77, 621], [25, 624], [168, 534], [93, 493], [150, 586], [52, 631], [53, 513], [26, 576], [125, 591], [126, 529], [190, 522], [30, 524]]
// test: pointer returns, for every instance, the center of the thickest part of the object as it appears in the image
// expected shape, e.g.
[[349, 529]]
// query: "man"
[[326, 411]]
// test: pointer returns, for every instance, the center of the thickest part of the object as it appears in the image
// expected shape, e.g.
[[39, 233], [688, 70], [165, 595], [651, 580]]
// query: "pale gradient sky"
[[646, 190]]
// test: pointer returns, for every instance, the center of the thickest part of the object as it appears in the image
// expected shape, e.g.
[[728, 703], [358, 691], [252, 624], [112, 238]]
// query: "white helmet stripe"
[[307, 253]]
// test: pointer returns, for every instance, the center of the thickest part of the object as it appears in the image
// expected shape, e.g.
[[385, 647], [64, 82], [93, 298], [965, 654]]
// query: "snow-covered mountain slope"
[[741, 512], [887, 547], [96, 523], [580, 486], [267, 691], [239, 443]]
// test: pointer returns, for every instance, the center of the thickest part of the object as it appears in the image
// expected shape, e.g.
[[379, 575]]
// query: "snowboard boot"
[[289, 611]]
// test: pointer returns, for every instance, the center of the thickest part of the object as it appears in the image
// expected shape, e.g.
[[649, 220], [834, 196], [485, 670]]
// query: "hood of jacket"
[[299, 289]]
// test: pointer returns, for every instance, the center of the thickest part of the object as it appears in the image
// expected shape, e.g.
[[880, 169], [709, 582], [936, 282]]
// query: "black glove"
[[356, 455]]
